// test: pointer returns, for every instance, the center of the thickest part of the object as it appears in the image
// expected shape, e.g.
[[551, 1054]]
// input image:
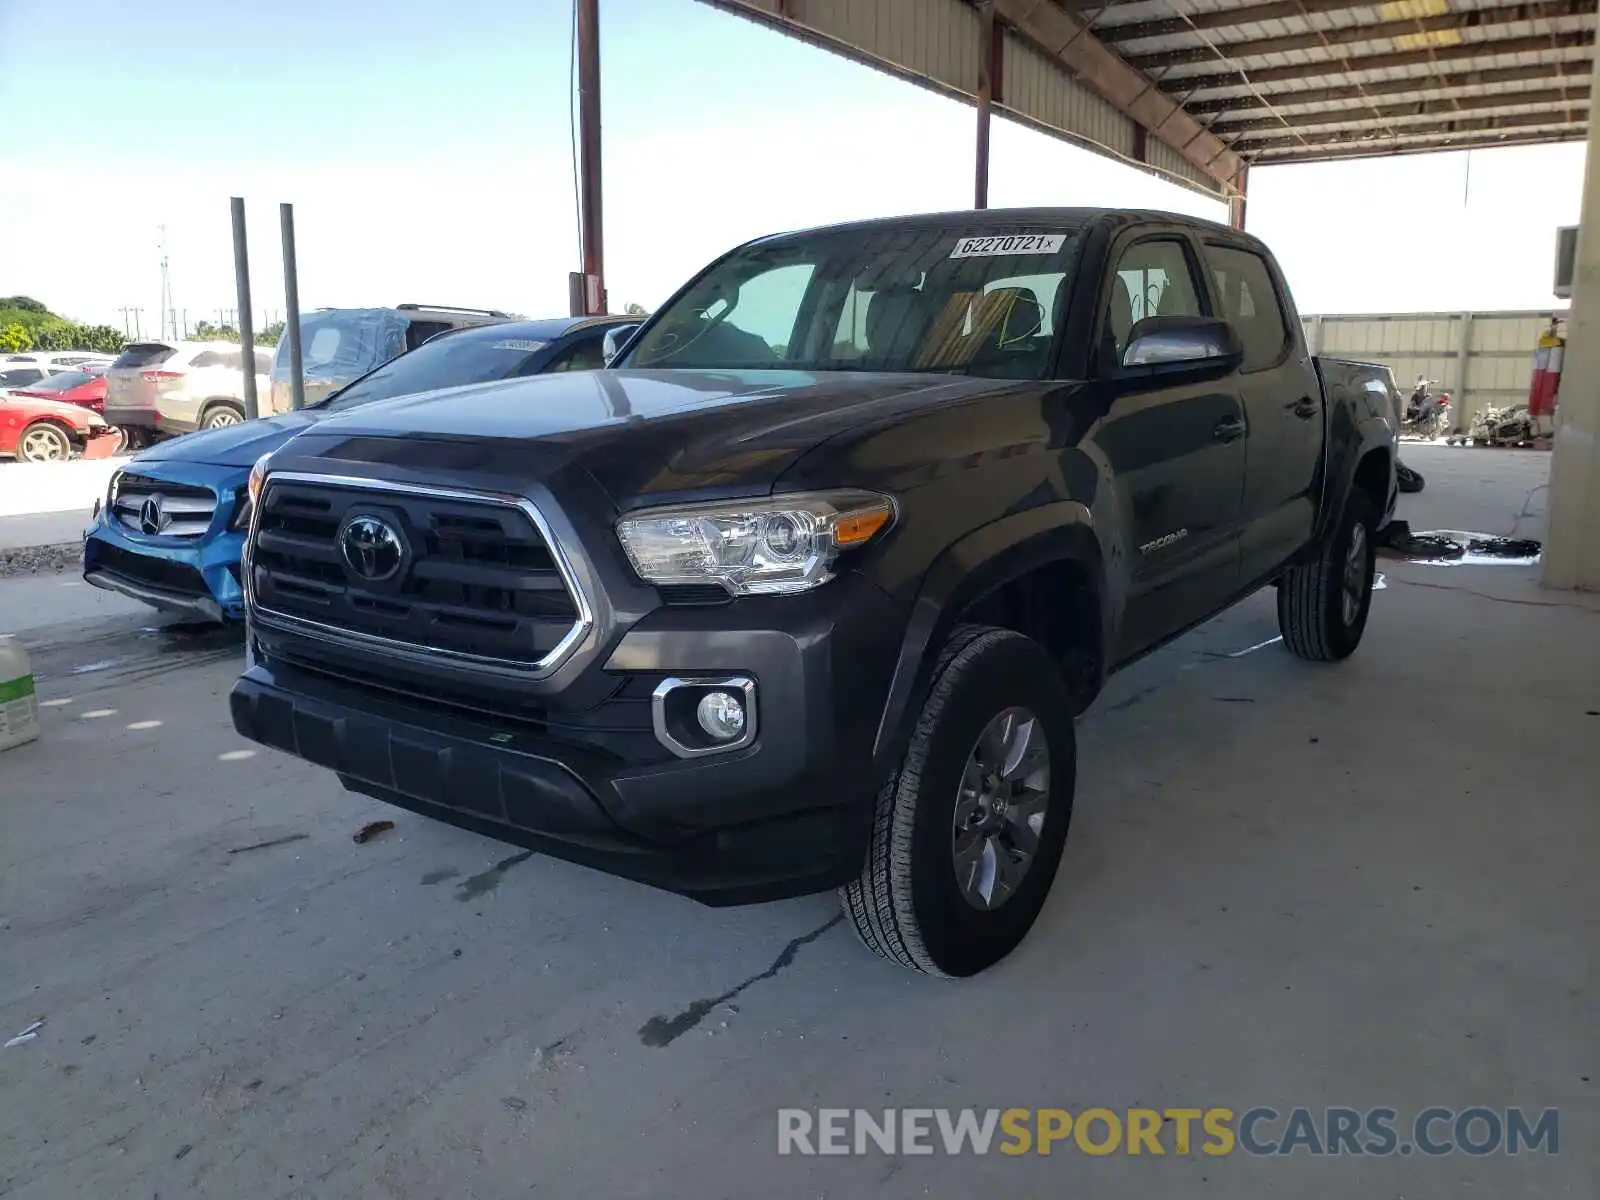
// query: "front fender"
[[979, 563]]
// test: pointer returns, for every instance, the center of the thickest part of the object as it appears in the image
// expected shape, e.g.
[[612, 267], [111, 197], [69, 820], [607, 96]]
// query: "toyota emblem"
[[372, 549], [151, 517]]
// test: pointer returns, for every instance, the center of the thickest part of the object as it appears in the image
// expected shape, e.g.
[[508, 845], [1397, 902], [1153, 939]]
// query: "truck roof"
[[1004, 218]]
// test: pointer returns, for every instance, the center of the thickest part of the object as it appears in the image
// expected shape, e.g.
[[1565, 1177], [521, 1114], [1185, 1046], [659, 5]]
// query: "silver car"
[[157, 388]]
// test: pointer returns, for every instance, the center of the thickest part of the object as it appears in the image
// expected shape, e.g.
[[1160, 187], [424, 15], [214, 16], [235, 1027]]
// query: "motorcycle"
[[1427, 415], [1510, 426]]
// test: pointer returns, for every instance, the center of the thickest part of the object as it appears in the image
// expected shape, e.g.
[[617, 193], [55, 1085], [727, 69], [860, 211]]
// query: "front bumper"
[[786, 815], [194, 576]]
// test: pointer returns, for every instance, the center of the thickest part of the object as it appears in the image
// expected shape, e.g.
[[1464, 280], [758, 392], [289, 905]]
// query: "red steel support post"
[[991, 59], [594, 289], [1236, 202]]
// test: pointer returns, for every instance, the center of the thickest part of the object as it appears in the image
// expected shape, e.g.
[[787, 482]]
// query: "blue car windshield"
[[479, 355], [946, 298]]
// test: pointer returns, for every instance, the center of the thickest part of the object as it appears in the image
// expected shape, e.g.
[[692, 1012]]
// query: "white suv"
[[177, 387]]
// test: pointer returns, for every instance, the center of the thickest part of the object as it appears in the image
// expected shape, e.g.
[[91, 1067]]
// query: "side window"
[[1250, 303], [420, 331], [263, 363], [206, 358], [587, 355], [1153, 279]]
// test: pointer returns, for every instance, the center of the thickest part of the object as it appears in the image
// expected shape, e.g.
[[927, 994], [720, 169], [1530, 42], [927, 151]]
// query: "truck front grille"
[[452, 573], [149, 507]]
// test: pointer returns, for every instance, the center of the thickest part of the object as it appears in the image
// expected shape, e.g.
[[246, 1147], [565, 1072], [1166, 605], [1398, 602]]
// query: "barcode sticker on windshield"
[[1009, 243]]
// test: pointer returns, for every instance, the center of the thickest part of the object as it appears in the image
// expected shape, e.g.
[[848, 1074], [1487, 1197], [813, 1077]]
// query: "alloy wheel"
[[1000, 808]]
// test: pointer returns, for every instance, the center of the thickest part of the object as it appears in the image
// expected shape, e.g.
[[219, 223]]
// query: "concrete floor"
[[1365, 885]]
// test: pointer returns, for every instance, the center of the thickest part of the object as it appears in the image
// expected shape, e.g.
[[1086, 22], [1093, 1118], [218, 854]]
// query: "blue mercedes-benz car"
[[172, 526]]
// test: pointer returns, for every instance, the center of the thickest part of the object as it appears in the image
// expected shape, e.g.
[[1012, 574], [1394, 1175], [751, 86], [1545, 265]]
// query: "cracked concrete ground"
[[1365, 885]]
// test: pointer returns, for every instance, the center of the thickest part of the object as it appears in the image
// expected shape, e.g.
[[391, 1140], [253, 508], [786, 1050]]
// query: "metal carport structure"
[[1200, 91]]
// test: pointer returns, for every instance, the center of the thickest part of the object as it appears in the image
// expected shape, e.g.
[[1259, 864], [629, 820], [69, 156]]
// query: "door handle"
[[1229, 429], [1305, 408]]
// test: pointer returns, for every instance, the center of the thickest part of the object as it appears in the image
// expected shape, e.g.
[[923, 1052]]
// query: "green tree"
[[25, 303], [270, 335], [636, 310], [207, 332], [15, 339]]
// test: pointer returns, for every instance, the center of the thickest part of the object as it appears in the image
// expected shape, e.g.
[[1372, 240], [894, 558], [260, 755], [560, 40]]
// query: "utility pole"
[[167, 313]]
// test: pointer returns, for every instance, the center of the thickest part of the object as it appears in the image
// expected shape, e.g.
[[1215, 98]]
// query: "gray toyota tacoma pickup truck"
[[806, 591]]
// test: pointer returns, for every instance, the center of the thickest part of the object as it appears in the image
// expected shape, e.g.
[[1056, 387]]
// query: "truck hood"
[[640, 434], [232, 445]]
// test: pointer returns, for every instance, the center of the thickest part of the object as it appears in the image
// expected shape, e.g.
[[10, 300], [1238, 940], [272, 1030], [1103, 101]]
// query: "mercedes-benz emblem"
[[371, 548], [151, 518]]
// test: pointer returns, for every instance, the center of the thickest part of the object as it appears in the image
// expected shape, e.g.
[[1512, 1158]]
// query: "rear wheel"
[[969, 832], [44, 441], [220, 416], [1323, 604]]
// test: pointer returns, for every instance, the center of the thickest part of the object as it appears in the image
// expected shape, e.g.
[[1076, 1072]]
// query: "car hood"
[[232, 445], [638, 433]]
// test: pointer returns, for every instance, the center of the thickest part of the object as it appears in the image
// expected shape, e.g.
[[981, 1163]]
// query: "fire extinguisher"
[[1546, 383]]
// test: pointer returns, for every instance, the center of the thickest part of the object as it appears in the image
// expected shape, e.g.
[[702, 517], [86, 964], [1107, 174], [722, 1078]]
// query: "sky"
[[427, 153]]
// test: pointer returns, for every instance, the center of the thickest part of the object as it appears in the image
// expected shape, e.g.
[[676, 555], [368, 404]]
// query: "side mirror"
[[1181, 343], [616, 340]]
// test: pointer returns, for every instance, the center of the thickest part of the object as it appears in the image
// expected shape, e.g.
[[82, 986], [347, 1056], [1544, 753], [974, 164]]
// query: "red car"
[[85, 385], [33, 429]]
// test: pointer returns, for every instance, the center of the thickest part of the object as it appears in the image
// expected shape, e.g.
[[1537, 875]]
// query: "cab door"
[[1283, 405], [1174, 451]]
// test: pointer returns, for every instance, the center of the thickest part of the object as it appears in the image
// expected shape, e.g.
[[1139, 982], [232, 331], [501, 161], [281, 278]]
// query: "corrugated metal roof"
[[1196, 88], [1311, 80]]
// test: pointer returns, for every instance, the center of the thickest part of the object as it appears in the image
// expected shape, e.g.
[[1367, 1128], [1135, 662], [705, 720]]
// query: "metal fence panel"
[[1496, 369]]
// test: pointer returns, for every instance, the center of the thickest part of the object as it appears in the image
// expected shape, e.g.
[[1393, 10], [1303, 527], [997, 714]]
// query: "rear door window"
[[144, 354], [1250, 303], [20, 376]]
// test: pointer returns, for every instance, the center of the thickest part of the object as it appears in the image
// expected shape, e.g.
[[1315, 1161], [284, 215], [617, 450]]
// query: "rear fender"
[[1350, 434], [981, 562]]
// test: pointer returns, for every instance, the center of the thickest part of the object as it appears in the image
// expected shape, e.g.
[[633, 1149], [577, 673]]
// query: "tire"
[[219, 416], [44, 441], [1316, 622], [908, 903]]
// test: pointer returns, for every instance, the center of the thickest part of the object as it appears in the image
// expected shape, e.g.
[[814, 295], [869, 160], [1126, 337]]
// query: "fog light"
[[721, 715]]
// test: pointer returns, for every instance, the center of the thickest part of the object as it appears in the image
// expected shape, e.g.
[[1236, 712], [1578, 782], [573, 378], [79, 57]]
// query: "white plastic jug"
[[19, 712]]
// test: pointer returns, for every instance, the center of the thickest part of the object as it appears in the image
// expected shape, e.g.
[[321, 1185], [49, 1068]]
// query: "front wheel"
[[968, 833], [44, 441], [1323, 604]]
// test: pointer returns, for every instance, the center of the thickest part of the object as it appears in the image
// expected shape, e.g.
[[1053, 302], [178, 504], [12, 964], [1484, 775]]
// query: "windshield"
[[470, 356], [873, 300], [20, 376]]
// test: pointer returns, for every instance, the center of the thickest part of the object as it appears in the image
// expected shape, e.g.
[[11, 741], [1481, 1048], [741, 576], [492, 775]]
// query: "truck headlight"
[[778, 545], [252, 490]]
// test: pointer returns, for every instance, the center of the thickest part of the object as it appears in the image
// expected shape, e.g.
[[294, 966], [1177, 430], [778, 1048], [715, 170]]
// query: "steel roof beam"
[[1575, 115], [1543, 73], [1222, 18], [1386, 148], [1346, 64], [1551, 98], [1067, 40], [1478, 18]]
